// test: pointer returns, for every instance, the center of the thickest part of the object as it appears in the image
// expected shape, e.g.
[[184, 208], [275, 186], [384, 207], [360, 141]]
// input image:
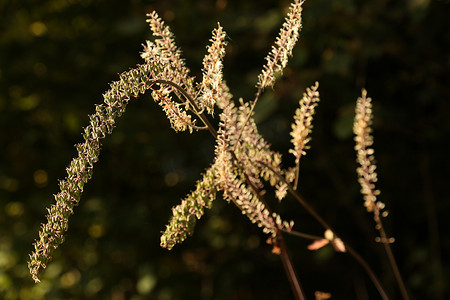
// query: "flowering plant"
[[244, 162]]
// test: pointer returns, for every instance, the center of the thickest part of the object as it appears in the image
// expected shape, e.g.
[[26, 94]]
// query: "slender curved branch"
[[303, 235], [390, 255], [258, 93], [191, 101], [286, 259], [290, 270], [368, 270]]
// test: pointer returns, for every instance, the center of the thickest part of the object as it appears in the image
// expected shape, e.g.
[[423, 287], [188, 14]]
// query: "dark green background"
[[57, 58]]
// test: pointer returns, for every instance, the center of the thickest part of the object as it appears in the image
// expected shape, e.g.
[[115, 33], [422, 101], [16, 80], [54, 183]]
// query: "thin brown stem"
[[297, 172], [392, 261], [191, 101], [368, 270], [291, 274], [258, 93], [289, 269], [303, 235]]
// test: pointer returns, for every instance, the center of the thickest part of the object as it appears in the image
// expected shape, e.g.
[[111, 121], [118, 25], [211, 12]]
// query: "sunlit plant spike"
[[278, 57], [79, 172], [211, 85], [165, 42], [302, 126], [184, 215], [367, 176]]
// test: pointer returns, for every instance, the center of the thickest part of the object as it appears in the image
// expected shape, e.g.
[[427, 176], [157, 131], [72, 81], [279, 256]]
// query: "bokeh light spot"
[[70, 278], [9, 184], [40, 178], [14, 209], [145, 284], [96, 231], [94, 286], [38, 28], [172, 178]]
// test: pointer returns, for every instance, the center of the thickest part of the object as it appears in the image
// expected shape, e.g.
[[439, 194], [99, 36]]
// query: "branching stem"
[[316, 216], [286, 259]]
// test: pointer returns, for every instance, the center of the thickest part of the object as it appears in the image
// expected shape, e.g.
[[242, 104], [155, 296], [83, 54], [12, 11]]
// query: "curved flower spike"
[[285, 42]]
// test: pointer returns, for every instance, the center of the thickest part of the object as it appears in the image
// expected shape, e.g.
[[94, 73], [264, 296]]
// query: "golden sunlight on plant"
[[246, 171]]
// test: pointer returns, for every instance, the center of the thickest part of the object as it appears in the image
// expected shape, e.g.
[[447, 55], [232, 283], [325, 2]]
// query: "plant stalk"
[[392, 261], [289, 269]]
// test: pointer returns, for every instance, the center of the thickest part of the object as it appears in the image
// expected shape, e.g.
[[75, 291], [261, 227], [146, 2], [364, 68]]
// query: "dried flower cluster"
[[285, 42], [302, 126], [240, 170], [168, 51], [237, 173], [173, 71], [367, 177], [212, 71], [185, 215]]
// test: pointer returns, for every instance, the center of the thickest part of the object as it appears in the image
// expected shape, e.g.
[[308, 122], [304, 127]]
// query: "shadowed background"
[[57, 58]]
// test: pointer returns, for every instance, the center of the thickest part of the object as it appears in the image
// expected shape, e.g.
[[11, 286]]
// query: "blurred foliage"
[[57, 58]]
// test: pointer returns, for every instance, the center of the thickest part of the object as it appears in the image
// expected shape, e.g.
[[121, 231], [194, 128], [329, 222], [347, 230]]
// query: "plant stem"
[[390, 255], [290, 270], [303, 235], [191, 101], [258, 93], [368, 269], [285, 257]]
